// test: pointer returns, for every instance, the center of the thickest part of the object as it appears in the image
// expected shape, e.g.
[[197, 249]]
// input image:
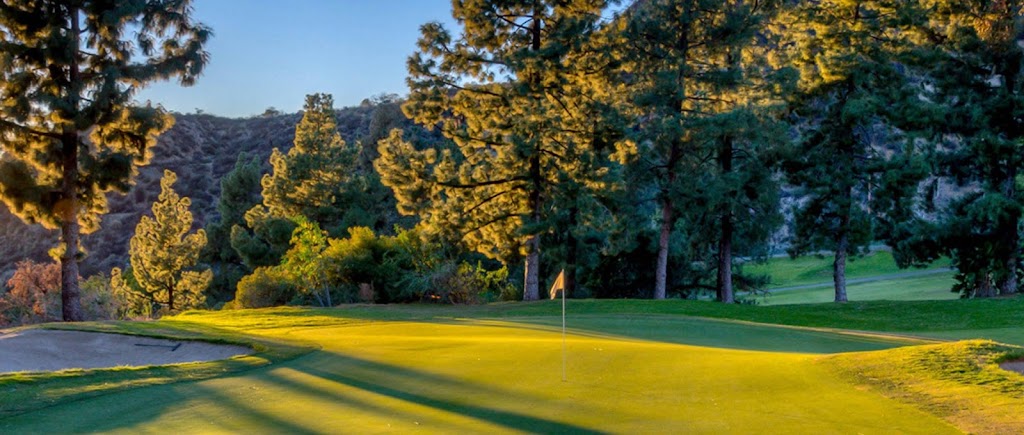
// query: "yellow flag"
[[558, 286]]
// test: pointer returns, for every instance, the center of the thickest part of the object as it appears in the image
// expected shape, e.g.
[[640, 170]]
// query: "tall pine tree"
[[239, 191], [163, 253], [846, 151], [69, 130], [317, 179], [697, 94], [970, 55], [496, 89]]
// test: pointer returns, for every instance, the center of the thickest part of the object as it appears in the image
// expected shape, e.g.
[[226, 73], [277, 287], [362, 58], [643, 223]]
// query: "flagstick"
[[563, 336]]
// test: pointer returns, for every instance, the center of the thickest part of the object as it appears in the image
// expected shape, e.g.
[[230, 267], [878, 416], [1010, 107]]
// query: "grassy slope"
[[469, 375]]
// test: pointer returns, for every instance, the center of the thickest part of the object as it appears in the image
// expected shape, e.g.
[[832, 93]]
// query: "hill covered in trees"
[[201, 149]]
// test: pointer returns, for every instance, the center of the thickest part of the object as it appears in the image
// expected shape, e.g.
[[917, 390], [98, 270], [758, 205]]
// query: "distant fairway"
[[626, 374], [808, 280]]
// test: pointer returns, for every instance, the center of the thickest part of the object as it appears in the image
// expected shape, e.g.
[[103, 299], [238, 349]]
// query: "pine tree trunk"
[[839, 266], [71, 307], [1009, 286], [725, 290], [682, 45], [70, 230], [984, 287], [531, 284], [531, 290], [661, 273], [170, 298], [570, 255]]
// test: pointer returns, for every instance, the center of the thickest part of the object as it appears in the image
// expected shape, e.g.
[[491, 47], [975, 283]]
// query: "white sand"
[[1014, 366], [49, 350]]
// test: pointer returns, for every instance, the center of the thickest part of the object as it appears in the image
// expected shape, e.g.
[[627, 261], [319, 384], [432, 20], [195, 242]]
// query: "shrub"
[[99, 302], [366, 264], [265, 287], [33, 294], [464, 283]]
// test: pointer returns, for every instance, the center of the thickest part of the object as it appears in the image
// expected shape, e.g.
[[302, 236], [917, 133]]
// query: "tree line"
[[641, 152], [693, 118]]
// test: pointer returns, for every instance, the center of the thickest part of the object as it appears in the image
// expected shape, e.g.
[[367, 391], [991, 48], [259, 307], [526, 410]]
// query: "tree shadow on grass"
[[431, 390], [124, 410], [239, 411]]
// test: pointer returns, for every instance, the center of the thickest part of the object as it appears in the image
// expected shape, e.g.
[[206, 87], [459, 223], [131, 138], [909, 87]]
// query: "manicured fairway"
[[875, 276], [626, 374], [931, 287], [810, 269]]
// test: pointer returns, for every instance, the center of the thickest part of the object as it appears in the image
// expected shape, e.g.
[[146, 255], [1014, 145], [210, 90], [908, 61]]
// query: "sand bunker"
[[48, 350], [1014, 366]]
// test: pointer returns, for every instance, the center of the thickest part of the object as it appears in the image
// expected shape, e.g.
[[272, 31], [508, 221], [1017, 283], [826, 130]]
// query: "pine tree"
[[496, 89], [970, 55], [847, 54], [68, 128], [317, 179], [311, 180], [698, 91], [304, 262], [239, 191], [163, 254]]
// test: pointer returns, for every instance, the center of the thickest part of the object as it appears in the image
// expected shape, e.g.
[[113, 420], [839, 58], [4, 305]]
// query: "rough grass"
[[960, 382]]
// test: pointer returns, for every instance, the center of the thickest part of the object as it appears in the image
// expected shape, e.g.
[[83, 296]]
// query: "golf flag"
[[558, 286]]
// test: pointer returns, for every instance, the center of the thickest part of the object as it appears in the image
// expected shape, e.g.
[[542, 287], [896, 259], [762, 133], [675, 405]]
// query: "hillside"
[[200, 149]]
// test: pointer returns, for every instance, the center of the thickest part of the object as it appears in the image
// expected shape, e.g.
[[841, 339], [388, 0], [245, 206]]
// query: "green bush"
[[367, 261], [265, 287]]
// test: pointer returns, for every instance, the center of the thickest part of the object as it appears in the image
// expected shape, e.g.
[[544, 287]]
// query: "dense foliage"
[[648, 151]]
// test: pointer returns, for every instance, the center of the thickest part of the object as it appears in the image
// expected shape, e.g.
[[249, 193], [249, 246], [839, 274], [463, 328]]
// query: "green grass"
[[632, 366], [917, 288], [952, 380], [786, 272]]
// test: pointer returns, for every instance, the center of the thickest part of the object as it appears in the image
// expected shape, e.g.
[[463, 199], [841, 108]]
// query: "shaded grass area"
[[960, 382], [725, 334], [27, 391], [884, 316], [811, 269], [916, 288]]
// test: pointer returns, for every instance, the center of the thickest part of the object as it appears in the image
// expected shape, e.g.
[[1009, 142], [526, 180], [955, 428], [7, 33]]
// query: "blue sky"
[[273, 52]]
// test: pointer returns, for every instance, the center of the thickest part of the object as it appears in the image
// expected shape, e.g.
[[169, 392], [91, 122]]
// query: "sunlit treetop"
[[68, 73]]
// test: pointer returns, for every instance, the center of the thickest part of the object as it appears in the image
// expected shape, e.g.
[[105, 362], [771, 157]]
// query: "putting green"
[[624, 375]]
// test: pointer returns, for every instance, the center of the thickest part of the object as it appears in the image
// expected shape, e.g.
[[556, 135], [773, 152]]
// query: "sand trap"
[[49, 350], [1014, 366]]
